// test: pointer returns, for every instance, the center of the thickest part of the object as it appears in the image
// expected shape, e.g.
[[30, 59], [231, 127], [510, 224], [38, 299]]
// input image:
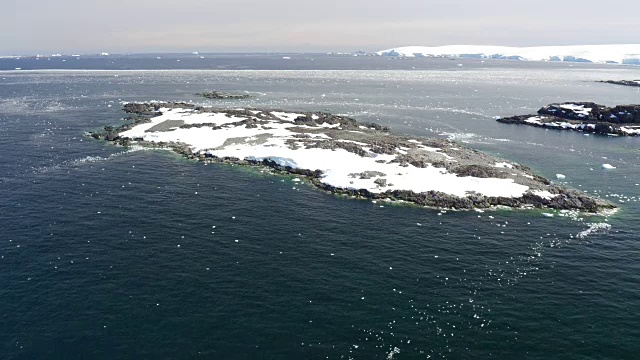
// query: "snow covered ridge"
[[588, 117], [340, 155], [614, 54]]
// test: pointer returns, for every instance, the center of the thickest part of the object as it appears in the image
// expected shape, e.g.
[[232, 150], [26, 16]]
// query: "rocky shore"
[[588, 117], [221, 95], [633, 83], [343, 156]]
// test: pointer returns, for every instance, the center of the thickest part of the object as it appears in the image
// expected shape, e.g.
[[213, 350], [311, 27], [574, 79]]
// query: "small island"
[[588, 117], [633, 83], [341, 155], [221, 95]]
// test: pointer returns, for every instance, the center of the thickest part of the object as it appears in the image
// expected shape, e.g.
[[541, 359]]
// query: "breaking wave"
[[91, 159], [595, 228], [24, 106]]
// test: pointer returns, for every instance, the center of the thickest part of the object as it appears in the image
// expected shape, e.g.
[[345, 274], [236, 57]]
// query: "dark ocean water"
[[107, 252]]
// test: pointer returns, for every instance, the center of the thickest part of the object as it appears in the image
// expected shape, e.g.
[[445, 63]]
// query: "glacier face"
[[615, 54]]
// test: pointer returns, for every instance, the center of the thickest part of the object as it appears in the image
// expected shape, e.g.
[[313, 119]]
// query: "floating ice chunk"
[[560, 176], [608, 166]]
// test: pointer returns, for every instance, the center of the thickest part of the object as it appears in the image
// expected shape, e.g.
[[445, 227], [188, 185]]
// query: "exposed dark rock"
[[479, 171], [367, 174], [583, 116], [166, 125], [146, 109], [221, 95], [634, 83], [333, 145], [380, 182], [382, 147]]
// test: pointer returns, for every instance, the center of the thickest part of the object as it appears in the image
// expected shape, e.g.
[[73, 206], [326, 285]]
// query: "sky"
[[126, 26]]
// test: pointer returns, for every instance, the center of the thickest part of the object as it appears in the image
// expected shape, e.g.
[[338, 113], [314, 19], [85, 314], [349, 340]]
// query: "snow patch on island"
[[578, 109], [630, 130], [281, 141], [503, 165]]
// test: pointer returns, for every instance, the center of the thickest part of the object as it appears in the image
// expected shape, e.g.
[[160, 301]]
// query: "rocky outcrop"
[[588, 117], [318, 130], [633, 83], [221, 95]]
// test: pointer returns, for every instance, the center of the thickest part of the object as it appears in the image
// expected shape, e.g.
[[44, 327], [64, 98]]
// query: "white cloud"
[[144, 25]]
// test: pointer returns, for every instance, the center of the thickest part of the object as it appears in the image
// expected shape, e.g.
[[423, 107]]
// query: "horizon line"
[[262, 52]]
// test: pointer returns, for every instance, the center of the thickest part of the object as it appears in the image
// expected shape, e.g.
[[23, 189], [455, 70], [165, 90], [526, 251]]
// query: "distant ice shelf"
[[603, 54]]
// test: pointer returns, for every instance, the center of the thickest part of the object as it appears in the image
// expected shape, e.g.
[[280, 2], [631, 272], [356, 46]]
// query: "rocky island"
[[633, 83], [221, 95], [341, 155], [588, 117]]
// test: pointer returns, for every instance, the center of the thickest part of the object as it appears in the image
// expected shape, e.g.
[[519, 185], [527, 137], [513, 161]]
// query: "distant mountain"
[[614, 54]]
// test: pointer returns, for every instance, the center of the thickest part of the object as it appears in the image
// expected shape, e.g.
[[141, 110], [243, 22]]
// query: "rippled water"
[[112, 252]]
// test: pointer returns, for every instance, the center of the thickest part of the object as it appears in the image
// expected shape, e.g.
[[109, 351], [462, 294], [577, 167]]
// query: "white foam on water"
[[94, 159], [596, 228]]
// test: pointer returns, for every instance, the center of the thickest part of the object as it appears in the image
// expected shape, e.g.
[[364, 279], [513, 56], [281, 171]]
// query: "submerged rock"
[[340, 155]]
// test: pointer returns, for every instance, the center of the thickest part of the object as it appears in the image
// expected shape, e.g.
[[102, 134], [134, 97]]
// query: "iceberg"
[[602, 54]]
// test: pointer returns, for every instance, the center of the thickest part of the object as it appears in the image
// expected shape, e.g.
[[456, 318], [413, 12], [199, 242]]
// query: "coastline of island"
[[340, 155], [587, 117]]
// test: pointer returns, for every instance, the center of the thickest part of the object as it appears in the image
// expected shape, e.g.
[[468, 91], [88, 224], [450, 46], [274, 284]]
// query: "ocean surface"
[[111, 252]]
